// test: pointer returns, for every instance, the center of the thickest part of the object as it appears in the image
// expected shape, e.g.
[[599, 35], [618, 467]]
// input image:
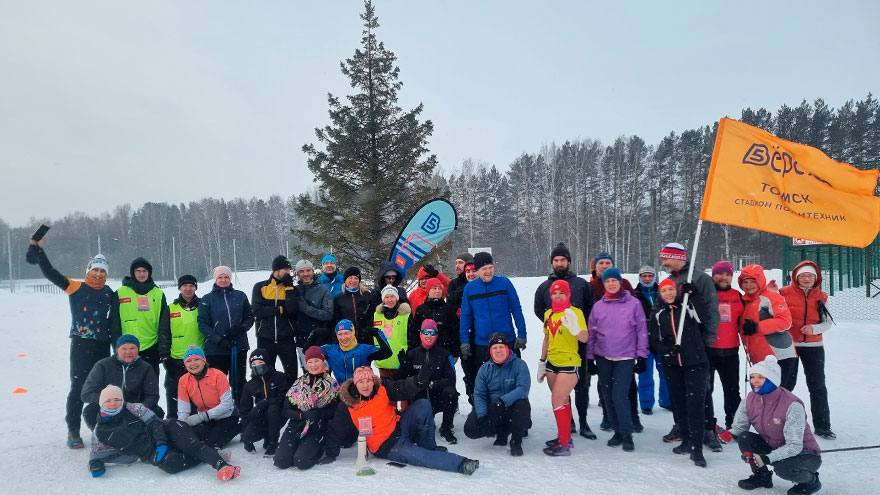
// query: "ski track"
[[33, 433]]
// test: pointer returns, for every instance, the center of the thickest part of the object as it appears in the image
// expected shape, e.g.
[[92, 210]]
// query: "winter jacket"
[[780, 419], [806, 308], [140, 309], [663, 329], [617, 328], [509, 381], [380, 283], [134, 432], [648, 296], [455, 293], [730, 310], [704, 298], [581, 294], [313, 399], [210, 393], [599, 288], [562, 346], [224, 318], [89, 306], [420, 294], [313, 325], [270, 388], [447, 325], [356, 307], [275, 306], [379, 409], [487, 308], [343, 363], [394, 324], [332, 283], [436, 358], [137, 380], [769, 311]]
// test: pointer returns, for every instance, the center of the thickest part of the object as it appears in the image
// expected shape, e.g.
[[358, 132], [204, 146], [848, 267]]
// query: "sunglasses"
[[429, 333]]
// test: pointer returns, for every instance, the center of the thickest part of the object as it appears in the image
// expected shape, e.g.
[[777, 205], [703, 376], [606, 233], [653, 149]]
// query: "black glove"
[[235, 331], [465, 352], [641, 365], [32, 257], [688, 288], [312, 415], [326, 459], [431, 271], [485, 425], [287, 280], [258, 410], [675, 351], [519, 344], [750, 327], [401, 357], [424, 376], [592, 368], [499, 406]]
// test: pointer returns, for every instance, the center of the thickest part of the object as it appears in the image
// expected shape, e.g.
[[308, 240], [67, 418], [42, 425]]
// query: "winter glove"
[[499, 406], [570, 320], [32, 257], [688, 288], [326, 459], [542, 370], [431, 271], [519, 344], [161, 450], [401, 357], [592, 368], [750, 327], [726, 436], [756, 460], [197, 419], [485, 425], [312, 415], [641, 365], [465, 352], [424, 376], [675, 351], [257, 411]]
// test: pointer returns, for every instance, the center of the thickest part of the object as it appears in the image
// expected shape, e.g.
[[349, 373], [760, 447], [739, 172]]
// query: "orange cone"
[[21, 355], [19, 390]]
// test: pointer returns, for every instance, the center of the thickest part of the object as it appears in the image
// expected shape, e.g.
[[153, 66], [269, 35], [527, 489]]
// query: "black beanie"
[[482, 259], [466, 257], [560, 250], [497, 338], [140, 263], [187, 279], [352, 270], [257, 354], [280, 262]]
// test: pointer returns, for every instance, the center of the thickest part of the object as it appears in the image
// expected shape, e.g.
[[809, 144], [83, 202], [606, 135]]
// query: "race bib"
[[724, 311], [388, 330], [365, 426], [143, 303]]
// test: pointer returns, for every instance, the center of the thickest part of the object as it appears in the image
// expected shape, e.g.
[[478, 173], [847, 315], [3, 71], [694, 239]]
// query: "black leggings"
[[84, 353], [265, 427], [218, 432], [186, 450], [300, 452]]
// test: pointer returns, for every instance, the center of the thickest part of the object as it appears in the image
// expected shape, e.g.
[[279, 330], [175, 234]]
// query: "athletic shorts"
[[552, 368]]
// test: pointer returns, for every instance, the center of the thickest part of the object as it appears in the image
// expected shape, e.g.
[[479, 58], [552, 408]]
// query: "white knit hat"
[[805, 269], [109, 392], [222, 270], [390, 289], [303, 264], [99, 261], [769, 369]]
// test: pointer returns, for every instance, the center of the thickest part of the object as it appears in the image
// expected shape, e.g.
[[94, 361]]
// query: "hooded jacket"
[[768, 309], [356, 307], [224, 318], [618, 328], [137, 380], [333, 284], [380, 283], [704, 298], [663, 329], [806, 308], [315, 312]]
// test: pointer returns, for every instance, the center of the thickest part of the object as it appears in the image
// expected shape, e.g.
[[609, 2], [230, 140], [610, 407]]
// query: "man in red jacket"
[[724, 353], [809, 320]]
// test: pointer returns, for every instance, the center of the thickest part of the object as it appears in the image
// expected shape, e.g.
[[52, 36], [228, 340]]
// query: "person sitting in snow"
[[309, 405], [128, 431], [783, 440], [260, 406], [349, 353], [214, 420], [368, 406]]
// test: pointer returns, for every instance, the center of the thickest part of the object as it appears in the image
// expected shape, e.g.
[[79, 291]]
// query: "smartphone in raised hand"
[[38, 235]]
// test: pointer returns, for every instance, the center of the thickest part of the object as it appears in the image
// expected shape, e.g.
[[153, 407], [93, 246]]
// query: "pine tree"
[[374, 169]]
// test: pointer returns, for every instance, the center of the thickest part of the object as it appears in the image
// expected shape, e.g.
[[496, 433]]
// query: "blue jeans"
[[646, 384], [416, 443], [615, 378]]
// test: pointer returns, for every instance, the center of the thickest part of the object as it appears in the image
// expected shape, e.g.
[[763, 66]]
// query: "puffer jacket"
[[224, 318], [768, 309], [509, 381], [137, 380], [806, 308], [275, 306], [617, 328], [315, 312]]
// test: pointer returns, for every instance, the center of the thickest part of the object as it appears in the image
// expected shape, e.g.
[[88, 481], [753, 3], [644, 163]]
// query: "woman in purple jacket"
[[618, 343]]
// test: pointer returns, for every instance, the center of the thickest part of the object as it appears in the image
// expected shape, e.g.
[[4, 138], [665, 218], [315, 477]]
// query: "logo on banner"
[[432, 224]]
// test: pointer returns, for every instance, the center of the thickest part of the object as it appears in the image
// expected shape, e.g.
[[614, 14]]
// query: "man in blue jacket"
[[501, 398], [488, 305]]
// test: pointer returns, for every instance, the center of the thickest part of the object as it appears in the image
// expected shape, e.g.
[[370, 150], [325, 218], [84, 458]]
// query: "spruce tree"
[[372, 165]]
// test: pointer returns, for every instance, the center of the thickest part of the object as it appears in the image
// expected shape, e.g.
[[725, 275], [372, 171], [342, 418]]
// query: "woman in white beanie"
[[392, 319], [783, 440]]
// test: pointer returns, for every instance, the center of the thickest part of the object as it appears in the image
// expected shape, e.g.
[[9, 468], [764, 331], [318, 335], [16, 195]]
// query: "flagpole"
[[684, 301]]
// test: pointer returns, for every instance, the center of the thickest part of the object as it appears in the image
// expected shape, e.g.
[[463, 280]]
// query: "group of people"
[[329, 329]]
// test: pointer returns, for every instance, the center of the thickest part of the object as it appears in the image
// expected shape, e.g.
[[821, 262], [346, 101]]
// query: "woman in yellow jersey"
[[564, 327]]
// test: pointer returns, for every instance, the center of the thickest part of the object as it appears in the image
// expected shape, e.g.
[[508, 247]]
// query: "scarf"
[[313, 391]]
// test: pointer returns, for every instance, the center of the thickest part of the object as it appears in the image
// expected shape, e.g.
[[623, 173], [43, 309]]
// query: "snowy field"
[[34, 327]]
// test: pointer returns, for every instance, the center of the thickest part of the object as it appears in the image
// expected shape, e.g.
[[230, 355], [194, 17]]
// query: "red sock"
[[563, 424]]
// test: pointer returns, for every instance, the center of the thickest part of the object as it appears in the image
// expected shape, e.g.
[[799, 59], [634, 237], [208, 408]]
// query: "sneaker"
[[606, 425], [628, 445], [711, 440], [516, 447], [681, 449], [468, 466], [74, 441], [248, 446], [615, 440], [647, 412], [500, 440], [228, 472], [586, 432], [806, 488], [827, 434], [697, 457], [762, 478], [446, 434], [555, 441], [557, 450], [674, 435], [637, 425]]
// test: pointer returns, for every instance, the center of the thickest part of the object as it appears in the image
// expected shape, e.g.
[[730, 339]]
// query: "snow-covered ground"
[[34, 327]]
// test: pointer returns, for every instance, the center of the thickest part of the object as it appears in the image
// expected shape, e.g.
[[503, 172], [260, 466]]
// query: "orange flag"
[[759, 181]]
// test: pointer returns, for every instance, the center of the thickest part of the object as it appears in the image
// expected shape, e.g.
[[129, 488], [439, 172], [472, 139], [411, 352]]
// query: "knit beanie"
[[390, 289], [222, 270], [497, 338], [612, 272], [561, 285], [804, 269], [647, 269], [428, 324], [352, 270], [560, 250], [362, 373], [603, 256], [674, 251], [257, 354], [140, 263], [769, 369], [667, 282], [329, 257], [194, 352], [466, 257], [187, 279], [314, 352], [128, 339], [99, 261], [344, 325], [482, 259], [303, 264], [280, 262], [722, 266], [109, 392], [431, 283]]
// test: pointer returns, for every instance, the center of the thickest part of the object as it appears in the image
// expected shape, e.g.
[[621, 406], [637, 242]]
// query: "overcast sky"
[[104, 103]]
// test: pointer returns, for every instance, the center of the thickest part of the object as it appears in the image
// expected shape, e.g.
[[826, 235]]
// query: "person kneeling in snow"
[[126, 432], [260, 406], [501, 398], [368, 407], [214, 421], [309, 405], [784, 439]]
